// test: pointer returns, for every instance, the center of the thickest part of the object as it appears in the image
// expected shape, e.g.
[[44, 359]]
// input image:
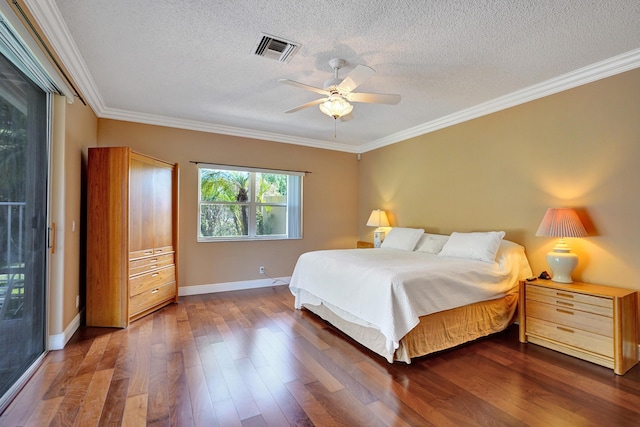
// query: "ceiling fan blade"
[[304, 86], [308, 104], [374, 98], [355, 78]]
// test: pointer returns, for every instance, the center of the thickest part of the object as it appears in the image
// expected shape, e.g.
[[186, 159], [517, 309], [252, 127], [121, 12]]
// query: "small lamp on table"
[[561, 222], [378, 218]]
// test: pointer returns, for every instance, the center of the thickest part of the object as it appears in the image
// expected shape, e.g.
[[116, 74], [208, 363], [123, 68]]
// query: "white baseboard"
[[232, 286], [58, 341]]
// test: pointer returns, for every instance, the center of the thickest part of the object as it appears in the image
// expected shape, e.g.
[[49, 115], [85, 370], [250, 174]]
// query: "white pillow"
[[477, 246], [402, 238], [431, 243]]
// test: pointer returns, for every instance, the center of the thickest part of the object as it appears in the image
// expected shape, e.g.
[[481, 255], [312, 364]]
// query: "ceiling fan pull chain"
[[335, 127]]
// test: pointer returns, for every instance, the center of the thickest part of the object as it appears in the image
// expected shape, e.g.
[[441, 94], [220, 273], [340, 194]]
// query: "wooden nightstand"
[[591, 322], [362, 245]]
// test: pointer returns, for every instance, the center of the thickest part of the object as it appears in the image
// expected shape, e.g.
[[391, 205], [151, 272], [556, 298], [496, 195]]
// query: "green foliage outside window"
[[227, 208]]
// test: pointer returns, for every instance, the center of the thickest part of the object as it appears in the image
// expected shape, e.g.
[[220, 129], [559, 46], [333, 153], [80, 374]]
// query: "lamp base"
[[562, 262], [378, 237]]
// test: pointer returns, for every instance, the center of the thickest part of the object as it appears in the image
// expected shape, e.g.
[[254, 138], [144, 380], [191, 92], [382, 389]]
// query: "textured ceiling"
[[190, 63]]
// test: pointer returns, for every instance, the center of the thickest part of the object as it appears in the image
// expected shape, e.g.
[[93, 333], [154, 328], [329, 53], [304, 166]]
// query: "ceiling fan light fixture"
[[336, 106]]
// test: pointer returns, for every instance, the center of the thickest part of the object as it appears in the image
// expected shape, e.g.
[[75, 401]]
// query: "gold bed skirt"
[[436, 331]]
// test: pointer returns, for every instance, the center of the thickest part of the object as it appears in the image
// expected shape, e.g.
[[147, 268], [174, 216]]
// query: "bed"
[[417, 294]]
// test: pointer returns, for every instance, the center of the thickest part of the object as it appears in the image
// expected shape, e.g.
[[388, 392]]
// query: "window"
[[238, 203]]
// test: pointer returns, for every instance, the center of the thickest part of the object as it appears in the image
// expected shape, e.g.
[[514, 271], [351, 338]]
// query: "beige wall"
[[330, 198], [74, 129], [578, 148]]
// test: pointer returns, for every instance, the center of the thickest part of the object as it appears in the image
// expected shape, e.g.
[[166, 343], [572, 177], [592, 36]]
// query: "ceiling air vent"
[[276, 48]]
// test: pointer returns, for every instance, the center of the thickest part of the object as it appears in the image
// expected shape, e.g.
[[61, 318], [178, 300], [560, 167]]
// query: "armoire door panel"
[[141, 212]]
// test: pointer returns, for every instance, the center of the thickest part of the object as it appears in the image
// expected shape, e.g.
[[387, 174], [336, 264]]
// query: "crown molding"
[[56, 32], [597, 71], [152, 119]]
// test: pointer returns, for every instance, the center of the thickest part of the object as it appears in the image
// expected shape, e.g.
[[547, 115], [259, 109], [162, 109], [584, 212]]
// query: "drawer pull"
[[559, 310], [564, 329], [567, 304], [148, 252], [158, 250], [156, 266], [155, 274], [155, 291], [560, 294]]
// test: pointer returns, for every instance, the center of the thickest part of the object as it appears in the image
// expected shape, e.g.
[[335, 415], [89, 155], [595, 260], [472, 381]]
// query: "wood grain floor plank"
[[180, 411], [113, 409], [235, 349], [32, 393], [387, 415], [135, 411], [158, 401], [91, 408], [290, 408], [269, 409], [264, 343], [321, 374], [293, 328], [312, 407], [202, 407], [139, 379], [227, 414], [240, 394], [44, 412], [218, 390]]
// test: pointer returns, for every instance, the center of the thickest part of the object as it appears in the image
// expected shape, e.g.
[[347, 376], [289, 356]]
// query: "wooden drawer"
[[151, 298], [546, 295], [603, 306], [574, 337], [140, 254], [586, 321], [143, 265], [148, 281], [150, 251], [163, 250]]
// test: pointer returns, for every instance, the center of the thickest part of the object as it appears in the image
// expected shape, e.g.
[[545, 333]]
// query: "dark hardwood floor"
[[247, 358]]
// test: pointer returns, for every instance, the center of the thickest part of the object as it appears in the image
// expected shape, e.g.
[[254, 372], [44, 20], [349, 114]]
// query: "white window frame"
[[293, 204]]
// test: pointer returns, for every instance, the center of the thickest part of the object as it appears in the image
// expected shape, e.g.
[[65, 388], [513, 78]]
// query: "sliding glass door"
[[23, 222]]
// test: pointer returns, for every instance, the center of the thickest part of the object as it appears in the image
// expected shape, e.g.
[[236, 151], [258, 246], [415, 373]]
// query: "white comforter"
[[389, 289]]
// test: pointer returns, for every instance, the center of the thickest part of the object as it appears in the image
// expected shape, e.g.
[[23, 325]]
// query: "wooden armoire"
[[132, 235]]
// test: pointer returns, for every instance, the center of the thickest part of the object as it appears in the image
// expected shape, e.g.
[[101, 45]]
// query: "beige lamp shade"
[[378, 218], [561, 222]]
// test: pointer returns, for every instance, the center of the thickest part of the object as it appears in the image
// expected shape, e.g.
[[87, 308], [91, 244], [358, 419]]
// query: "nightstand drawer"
[[572, 318], [574, 337], [560, 299], [546, 294]]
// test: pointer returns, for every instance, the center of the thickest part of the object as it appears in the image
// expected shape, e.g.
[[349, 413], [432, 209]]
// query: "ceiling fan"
[[339, 92]]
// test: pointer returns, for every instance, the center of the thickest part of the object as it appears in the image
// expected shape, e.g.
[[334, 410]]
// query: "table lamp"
[[561, 222], [378, 218]]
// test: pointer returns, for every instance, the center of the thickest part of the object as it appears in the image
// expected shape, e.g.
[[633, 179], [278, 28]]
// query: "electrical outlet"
[[262, 269], [77, 301]]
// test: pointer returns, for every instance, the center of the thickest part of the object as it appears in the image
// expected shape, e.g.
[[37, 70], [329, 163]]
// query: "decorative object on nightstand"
[[561, 222], [378, 218]]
